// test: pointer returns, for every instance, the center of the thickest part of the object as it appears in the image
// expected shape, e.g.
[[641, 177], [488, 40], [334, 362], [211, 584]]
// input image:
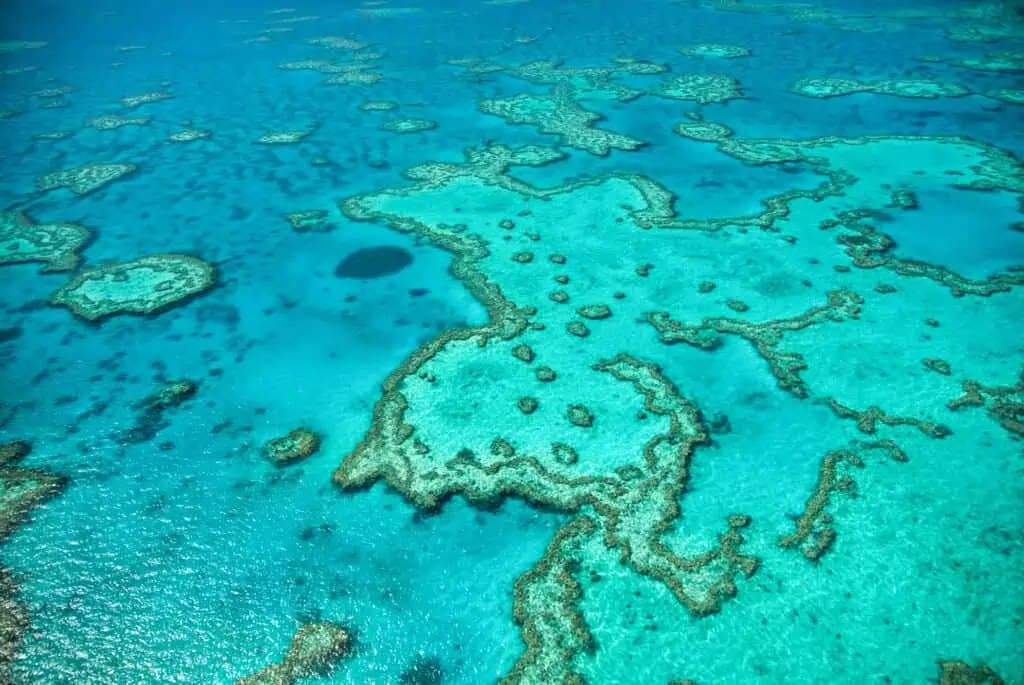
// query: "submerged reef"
[[314, 652], [960, 673], [408, 125], [703, 131], [580, 83], [379, 106], [110, 122], [189, 135], [835, 87], [21, 490], [309, 221], [147, 285], [283, 137], [423, 671], [55, 245], [981, 23], [85, 179], [994, 61], [719, 50], [151, 410], [133, 101]]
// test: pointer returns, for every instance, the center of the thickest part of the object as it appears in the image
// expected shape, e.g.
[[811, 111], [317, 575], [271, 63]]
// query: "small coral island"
[[300, 444], [147, 285]]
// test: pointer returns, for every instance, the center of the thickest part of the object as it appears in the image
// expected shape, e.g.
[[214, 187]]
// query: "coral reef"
[[868, 419], [1007, 403], [835, 87], [309, 221], [378, 106], [314, 652], [422, 450], [147, 285], [189, 135], [21, 490], [871, 249], [785, 366], [150, 420], [814, 532], [703, 131], [55, 245], [134, 101], [719, 50], [579, 83], [994, 61], [85, 179], [557, 113], [704, 89], [408, 125], [283, 137], [110, 122], [299, 444], [359, 76], [1015, 96], [961, 673]]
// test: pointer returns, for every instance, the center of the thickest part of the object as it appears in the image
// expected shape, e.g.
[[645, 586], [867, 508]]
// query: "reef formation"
[[147, 285], [21, 490], [314, 652], [551, 371]]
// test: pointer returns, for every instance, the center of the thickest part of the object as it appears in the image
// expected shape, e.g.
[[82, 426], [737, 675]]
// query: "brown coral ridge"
[[14, 623], [546, 608], [814, 533], [297, 446], [842, 305], [868, 419], [634, 517], [870, 249], [1007, 408], [314, 652], [21, 490], [961, 673]]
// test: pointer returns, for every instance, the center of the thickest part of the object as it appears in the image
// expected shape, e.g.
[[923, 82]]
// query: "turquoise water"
[[177, 552]]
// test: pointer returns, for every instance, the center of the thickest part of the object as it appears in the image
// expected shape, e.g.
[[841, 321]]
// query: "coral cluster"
[[314, 652], [147, 285], [297, 445], [55, 245], [85, 179]]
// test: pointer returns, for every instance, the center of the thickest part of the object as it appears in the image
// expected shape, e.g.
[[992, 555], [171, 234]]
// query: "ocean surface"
[[609, 342]]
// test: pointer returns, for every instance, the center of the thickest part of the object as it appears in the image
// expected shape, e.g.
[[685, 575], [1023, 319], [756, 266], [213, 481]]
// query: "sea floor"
[[507, 340]]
